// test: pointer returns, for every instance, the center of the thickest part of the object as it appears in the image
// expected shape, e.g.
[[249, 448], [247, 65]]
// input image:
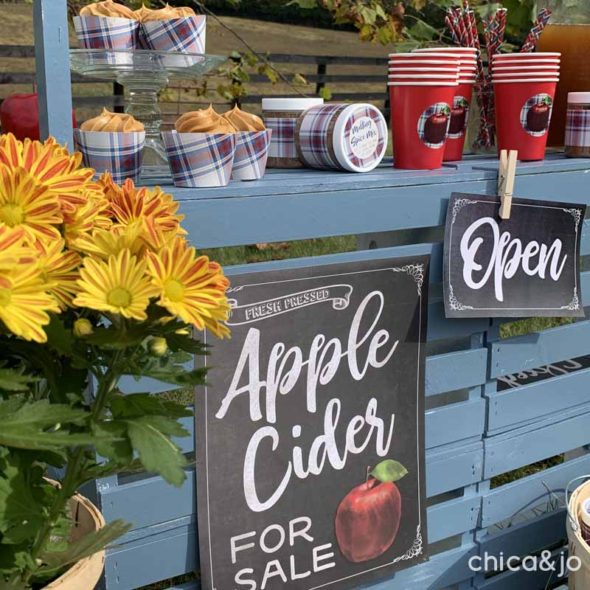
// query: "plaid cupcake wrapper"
[[537, 123], [118, 153], [282, 144], [97, 32], [251, 154], [185, 35], [425, 132], [200, 159], [577, 128]]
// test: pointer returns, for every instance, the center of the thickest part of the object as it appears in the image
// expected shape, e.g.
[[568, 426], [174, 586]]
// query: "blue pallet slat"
[[513, 406], [526, 538], [455, 422], [52, 62], [455, 370], [535, 350], [543, 487], [536, 441], [453, 467], [152, 559], [453, 517]]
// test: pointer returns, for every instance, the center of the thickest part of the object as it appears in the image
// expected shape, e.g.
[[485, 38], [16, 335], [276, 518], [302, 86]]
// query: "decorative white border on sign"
[[415, 272], [456, 305]]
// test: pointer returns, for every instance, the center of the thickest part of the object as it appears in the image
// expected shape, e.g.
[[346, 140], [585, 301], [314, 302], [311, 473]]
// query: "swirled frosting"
[[112, 122], [243, 121], [108, 8], [204, 121], [145, 14]]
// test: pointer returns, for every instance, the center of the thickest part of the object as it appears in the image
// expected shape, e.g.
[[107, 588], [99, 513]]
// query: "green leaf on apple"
[[389, 471]]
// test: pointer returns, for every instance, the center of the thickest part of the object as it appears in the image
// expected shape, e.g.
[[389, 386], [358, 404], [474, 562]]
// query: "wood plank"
[[526, 538], [52, 58], [549, 396], [536, 441], [540, 348], [455, 370], [454, 517], [452, 467], [524, 494], [455, 422]]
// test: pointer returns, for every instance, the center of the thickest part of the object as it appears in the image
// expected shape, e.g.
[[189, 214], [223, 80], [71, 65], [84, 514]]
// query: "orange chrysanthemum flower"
[[191, 288], [28, 205], [154, 211], [52, 166]]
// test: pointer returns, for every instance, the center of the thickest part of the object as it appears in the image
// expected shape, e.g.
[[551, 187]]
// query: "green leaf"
[[150, 437], [112, 441], [39, 425], [116, 338], [83, 547], [20, 513], [15, 380], [305, 4], [389, 470], [58, 336]]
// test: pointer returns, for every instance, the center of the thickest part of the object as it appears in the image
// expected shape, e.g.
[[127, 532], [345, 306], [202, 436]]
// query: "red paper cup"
[[410, 70], [420, 117], [424, 77], [458, 125], [519, 74], [527, 68], [523, 115], [416, 55]]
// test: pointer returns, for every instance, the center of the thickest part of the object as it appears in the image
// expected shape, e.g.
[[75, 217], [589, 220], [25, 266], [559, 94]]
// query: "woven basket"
[[85, 574]]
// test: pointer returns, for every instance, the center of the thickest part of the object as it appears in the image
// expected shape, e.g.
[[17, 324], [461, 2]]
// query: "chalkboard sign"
[[310, 436], [527, 265]]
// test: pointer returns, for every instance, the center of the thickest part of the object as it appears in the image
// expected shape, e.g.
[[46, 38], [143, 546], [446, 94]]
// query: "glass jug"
[[569, 33]]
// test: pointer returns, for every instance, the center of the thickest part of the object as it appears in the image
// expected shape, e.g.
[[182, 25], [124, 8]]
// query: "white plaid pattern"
[[97, 32], [577, 128], [538, 99], [282, 144], [314, 138], [251, 154], [118, 153], [200, 159], [439, 107], [185, 35]]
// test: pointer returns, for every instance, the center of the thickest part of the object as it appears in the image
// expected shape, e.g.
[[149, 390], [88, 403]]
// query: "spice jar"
[[280, 115], [577, 128], [351, 137]]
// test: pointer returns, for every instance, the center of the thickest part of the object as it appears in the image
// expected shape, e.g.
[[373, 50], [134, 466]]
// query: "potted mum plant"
[[97, 281]]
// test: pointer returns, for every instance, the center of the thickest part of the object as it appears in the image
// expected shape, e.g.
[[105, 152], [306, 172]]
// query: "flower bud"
[[83, 327], [158, 346]]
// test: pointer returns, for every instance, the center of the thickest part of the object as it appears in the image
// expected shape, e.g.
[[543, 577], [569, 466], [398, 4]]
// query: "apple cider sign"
[[310, 443]]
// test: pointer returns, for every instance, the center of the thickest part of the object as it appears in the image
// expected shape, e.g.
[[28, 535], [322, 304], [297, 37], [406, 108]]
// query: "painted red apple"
[[435, 127], [537, 118], [368, 517]]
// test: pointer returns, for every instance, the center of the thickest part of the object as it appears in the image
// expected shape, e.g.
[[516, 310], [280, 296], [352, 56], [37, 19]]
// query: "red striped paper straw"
[[532, 39]]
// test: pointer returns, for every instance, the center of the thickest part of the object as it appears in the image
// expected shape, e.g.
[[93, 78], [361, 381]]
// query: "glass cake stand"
[[143, 73]]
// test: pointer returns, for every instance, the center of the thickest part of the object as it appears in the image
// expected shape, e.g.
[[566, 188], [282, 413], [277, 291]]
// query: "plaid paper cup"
[[200, 160], [99, 32], [118, 153], [252, 149], [184, 35]]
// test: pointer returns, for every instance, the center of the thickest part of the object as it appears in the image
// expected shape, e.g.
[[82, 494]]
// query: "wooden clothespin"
[[506, 177]]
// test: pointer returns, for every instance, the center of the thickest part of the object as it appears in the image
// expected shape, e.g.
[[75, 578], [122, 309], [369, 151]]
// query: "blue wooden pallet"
[[473, 432]]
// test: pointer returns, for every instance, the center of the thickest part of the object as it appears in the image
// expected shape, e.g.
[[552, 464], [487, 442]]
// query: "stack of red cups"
[[421, 90], [524, 90], [462, 100]]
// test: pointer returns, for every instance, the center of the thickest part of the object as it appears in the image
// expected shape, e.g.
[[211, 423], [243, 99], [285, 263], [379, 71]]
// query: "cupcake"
[[112, 142], [107, 25], [170, 28], [201, 149], [252, 144]]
